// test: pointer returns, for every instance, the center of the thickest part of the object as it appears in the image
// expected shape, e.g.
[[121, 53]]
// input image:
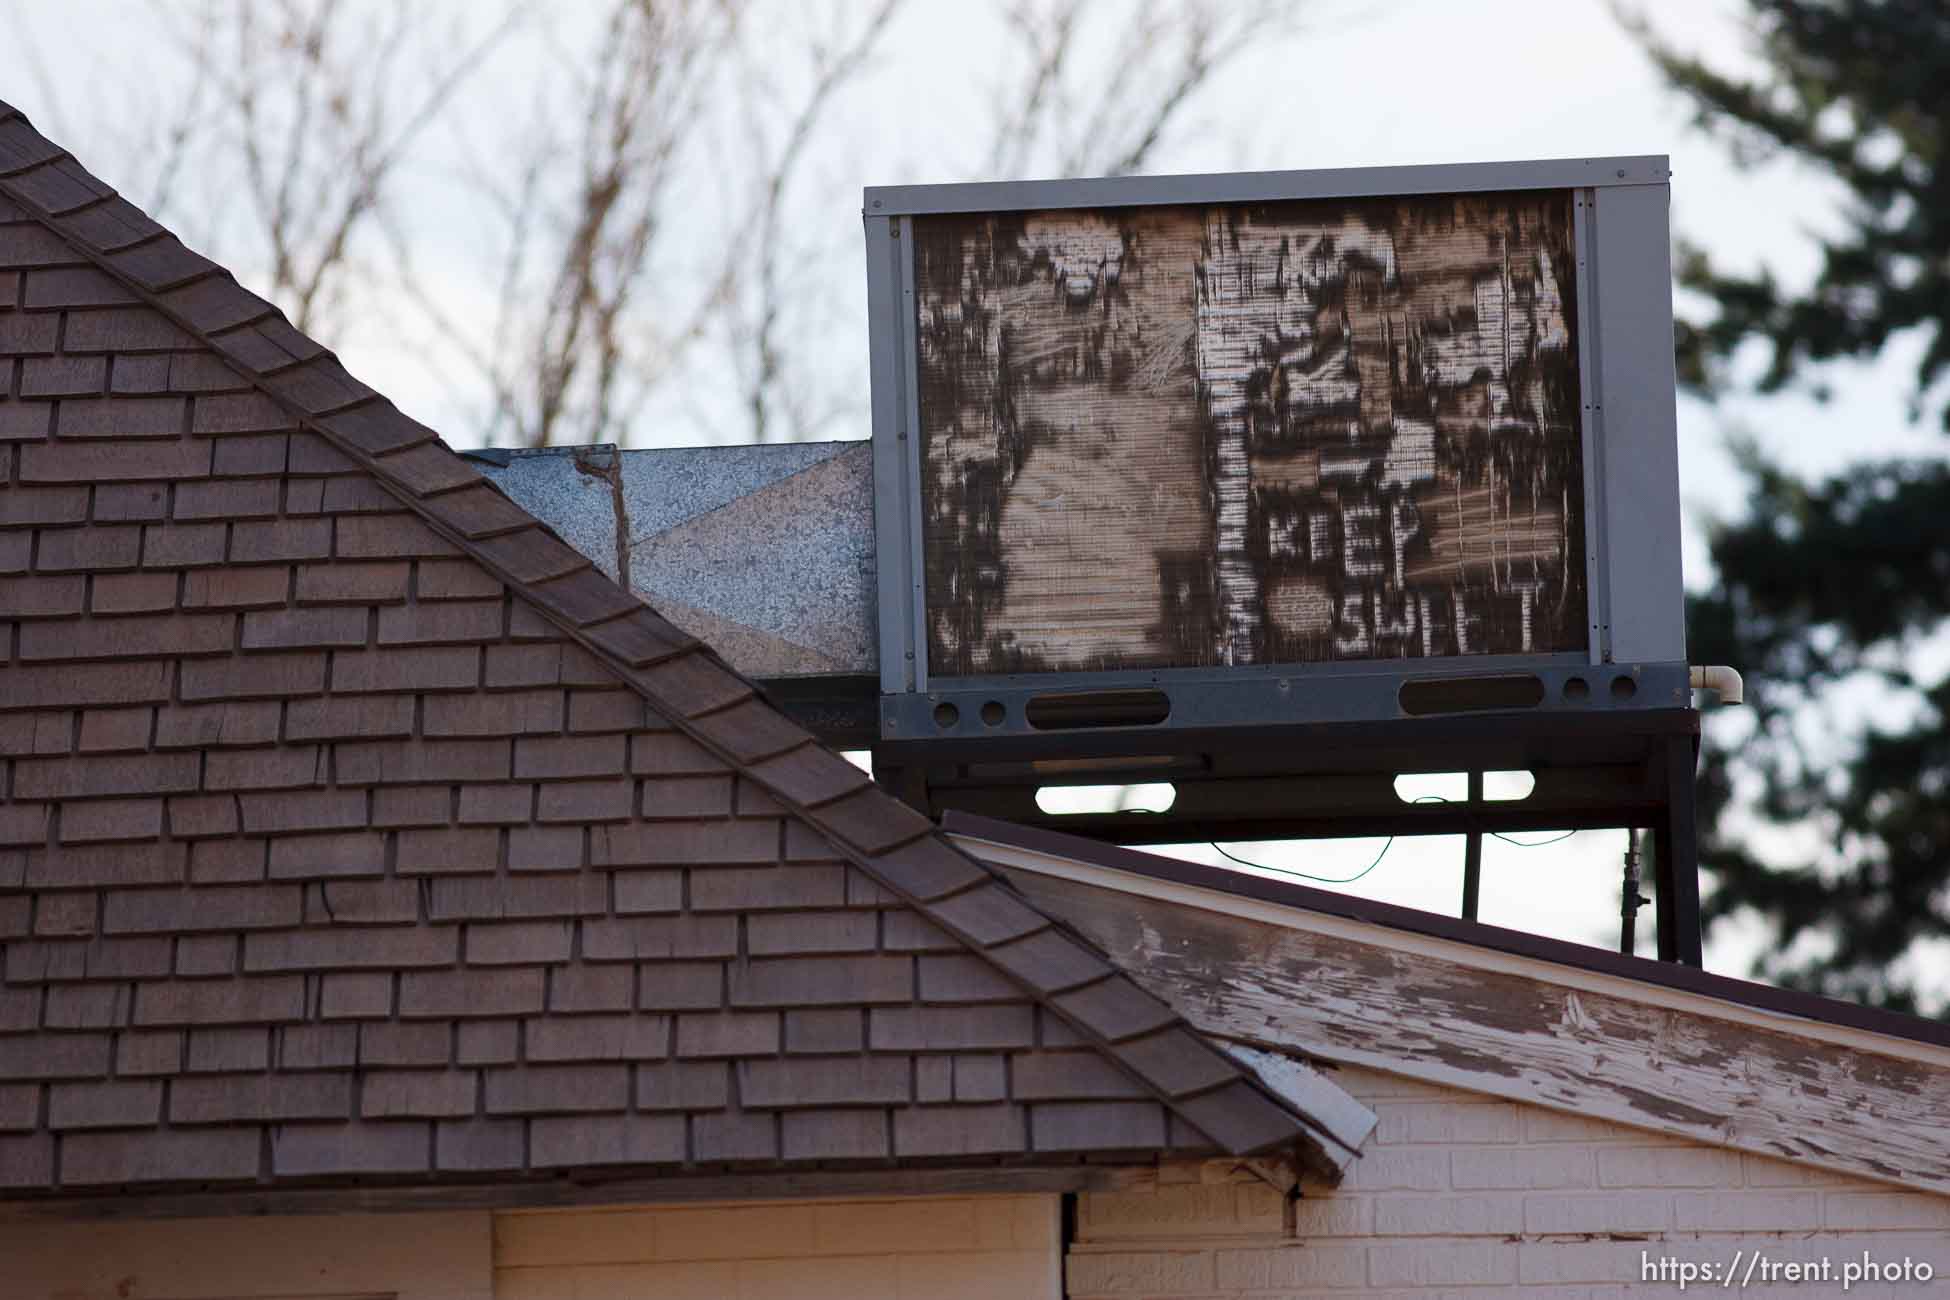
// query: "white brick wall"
[[1461, 1194], [919, 1248]]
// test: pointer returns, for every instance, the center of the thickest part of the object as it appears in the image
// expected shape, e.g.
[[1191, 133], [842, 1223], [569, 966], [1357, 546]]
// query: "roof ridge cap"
[[1109, 1011]]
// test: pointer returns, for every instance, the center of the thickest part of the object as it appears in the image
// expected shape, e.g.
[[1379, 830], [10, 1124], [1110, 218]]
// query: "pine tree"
[[1830, 580]]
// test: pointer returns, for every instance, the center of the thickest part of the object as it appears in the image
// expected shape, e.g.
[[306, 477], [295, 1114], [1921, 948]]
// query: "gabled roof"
[[1649, 1044], [360, 826]]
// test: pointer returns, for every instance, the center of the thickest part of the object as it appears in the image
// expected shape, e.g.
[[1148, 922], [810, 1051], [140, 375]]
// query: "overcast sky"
[[1406, 81]]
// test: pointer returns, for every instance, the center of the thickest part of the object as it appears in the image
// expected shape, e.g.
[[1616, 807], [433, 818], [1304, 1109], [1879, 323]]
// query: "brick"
[[806, 981], [583, 802], [113, 462], [318, 1047], [312, 856], [356, 997], [579, 1141], [911, 1029], [234, 1001], [1447, 1216], [479, 1145], [1850, 1211], [212, 726], [187, 911], [659, 938], [396, 1147], [682, 1085], [253, 676], [577, 990], [418, 761], [1402, 1122], [351, 947], [440, 994], [370, 717], [301, 629], [521, 944], [100, 1159], [558, 1089], [422, 1094], [730, 1033], [824, 1081], [1609, 1212], [235, 588], [229, 1051], [598, 1038], [91, 550], [681, 985], [1419, 1265], [1797, 1211], [958, 1130], [280, 541], [1668, 1167], [437, 624]]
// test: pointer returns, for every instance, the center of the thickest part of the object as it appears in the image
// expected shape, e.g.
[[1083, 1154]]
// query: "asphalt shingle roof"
[[355, 824]]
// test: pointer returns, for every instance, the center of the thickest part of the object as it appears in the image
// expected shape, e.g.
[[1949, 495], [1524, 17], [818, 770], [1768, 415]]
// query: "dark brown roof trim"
[[683, 678], [1671, 975]]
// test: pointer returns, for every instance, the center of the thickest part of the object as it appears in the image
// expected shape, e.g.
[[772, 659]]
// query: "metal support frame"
[[1621, 770]]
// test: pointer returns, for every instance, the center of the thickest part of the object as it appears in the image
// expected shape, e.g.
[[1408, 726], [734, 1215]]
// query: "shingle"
[[313, 856], [551, 757], [837, 1030], [683, 1085], [62, 376], [771, 934], [954, 1029], [687, 797], [520, 944], [29, 1161], [103, 1105], [964, 977], [1240, 1118], [811, 774], [442, 624], [1097, 1125], [397, 1147], [480, 1145], [582, 802], [90, 1006], [681, 985], [558, 1089], [168, 1155], [395, 1044], [489, 898], [412, 762], [90, 820], [691, 684], [596, 1038], [409, 669], [254, 676], [417, 1094], [989, 914], [456, 580], [352, 947], [1116, 1009], [529, 556], [280, 540], [757, 889], [658, 938], [487, 1042], [728, 1033], [958, 1130], [505, 803], [389, 537], [835, 1135], [502, 713], [685, 842], [245, 1000], [824, 1081], [356, 997], [75, 286], [55, 1056], [376, 717], [124, 329], [412, 805], [20, 1107], [376, 427], [752, 730], [579, 989], [229, 1051], [318, 1047], [606, 1140], [734, 1135], [112, 462], [189, 911], [147, 1052], [464, 993], [585, 597], [1049, 961], [235, 588], [813, 981], [303, 810], [128, 502], [287, 767], [450, 849], [207, 955], [1070, 1076], [124, 417]]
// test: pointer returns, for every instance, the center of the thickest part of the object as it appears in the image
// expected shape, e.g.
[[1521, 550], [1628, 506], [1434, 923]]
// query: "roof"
[[358, 826], [1654, 1045]]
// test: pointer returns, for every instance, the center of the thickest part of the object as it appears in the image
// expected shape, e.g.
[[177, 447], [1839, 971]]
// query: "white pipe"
[[1720, 678]]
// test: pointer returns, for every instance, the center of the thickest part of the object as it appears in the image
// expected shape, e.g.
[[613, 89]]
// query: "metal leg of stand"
[[1473, 854], [1675, 842]]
